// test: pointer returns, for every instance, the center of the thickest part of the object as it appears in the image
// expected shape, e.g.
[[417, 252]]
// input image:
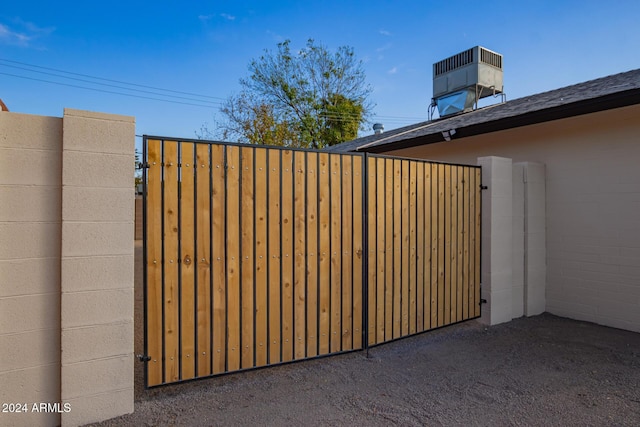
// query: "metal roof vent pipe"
[[378, 128]]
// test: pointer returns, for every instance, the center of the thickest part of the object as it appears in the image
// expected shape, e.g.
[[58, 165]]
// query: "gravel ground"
[[543, 370]]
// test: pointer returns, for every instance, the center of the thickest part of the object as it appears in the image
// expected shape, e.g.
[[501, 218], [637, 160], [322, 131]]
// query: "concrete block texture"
[[81, 204], [98, 407], [21, 203], [31, 385], [96, 376], [99, 170], [30, 313], [30, 167], [31, 348], [98, 132], [96, 308], [97, 273], [82, 239], [27, 132], [29, 276], [37, 240], [95, 342], [97, 265]]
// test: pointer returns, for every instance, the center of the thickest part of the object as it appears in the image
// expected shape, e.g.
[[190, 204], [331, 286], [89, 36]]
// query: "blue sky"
[[200, 49]]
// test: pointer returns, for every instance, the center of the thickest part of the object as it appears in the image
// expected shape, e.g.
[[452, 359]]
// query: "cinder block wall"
[[66, 266], [30, 229], [97, 265]]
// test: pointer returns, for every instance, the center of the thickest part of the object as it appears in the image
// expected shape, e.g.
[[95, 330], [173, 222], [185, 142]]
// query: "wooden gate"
[[255, 255]]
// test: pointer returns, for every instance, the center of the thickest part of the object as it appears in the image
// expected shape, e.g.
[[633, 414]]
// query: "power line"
[[206, 103], [105, 91], [111, 85], [110, 80]]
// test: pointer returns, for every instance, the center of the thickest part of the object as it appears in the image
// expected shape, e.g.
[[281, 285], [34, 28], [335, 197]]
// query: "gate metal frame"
[[366, 203]]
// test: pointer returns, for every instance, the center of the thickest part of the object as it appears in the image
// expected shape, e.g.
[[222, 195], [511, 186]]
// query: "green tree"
[[310, 98]]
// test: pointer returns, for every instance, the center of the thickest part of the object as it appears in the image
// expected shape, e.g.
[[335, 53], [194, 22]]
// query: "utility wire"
[[106, 91], [194, 102], [111, 80], [111, 85]]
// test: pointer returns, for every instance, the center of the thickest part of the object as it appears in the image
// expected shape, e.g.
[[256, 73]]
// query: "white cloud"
[[228, 17], [205, 17], [393, 70], [24, 34], [384, 32]]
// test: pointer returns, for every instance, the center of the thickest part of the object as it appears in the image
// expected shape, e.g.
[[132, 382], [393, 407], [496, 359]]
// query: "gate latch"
[[483, 301], [143, 357]]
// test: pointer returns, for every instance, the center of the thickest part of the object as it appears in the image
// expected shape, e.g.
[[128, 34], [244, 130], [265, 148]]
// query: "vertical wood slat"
[[396, 285], [389, 252], [171, 257], [203, 260], [286, 249], [273, 255], [261, 257], [435, 236], [346, 255], [426, 209], [441, 245], [447, 245], [375, 301], [187, 261], [232, 217], [358, 252], [154, 328], [404, 257], [381, 270], [300, 255], [312, 255], [324, 253], [421, 285], [247, 287], [412, 272], [336, 251], [453, 217], [218, 261]]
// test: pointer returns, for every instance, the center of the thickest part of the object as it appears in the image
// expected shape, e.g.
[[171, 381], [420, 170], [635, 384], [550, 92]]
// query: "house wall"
[[592, 204], [66, 267]]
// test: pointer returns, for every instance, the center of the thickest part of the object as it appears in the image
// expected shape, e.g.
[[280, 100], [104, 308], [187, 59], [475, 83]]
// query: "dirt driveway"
[[543, 370]]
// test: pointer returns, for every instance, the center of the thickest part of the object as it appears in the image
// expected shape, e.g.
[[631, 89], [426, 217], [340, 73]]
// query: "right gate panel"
[[424, 246]]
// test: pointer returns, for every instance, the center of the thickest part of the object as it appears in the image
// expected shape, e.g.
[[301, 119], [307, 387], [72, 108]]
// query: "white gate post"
[[497, 239]]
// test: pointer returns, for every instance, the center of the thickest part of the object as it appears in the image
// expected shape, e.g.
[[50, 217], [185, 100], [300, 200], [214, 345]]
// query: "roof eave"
[[593, 105]]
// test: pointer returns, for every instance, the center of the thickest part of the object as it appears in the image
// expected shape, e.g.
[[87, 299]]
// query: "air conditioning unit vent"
[[462, 79]]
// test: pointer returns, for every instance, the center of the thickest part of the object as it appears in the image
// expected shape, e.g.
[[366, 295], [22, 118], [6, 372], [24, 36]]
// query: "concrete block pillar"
[[97, 266], [497, 239], [535, 267]]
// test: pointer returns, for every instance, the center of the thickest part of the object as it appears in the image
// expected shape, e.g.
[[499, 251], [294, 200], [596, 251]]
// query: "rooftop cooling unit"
[[461, 80]]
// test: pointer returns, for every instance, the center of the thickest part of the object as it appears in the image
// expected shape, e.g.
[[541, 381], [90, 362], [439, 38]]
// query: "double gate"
[[258, 255]]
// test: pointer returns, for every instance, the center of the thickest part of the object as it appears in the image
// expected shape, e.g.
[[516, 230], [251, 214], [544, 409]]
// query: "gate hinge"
[[141, 165], [143, 357], [484, 187]]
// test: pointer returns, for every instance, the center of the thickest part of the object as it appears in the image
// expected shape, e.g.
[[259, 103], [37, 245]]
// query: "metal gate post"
[[365, 252]]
